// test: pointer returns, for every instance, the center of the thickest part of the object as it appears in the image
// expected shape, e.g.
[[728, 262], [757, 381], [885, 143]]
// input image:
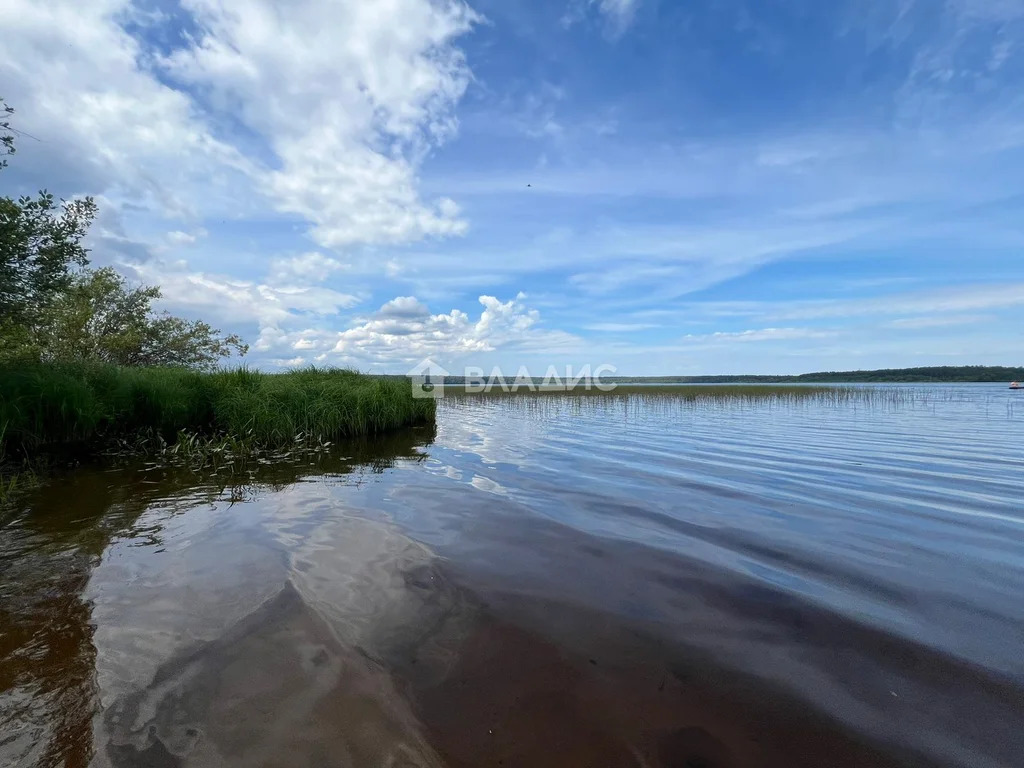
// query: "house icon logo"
[[427, 380]]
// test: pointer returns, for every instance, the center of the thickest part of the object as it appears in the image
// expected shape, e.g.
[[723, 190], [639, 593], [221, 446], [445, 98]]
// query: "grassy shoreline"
[[91, 407]]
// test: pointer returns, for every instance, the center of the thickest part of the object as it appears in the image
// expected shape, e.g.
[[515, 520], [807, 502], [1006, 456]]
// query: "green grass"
[[49, 406]]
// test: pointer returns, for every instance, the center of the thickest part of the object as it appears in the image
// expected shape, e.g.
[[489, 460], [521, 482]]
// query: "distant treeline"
[[941, 374], [938, 374]]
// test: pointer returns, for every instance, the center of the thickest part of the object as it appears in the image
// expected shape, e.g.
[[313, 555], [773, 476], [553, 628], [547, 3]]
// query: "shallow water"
[[641, 581]]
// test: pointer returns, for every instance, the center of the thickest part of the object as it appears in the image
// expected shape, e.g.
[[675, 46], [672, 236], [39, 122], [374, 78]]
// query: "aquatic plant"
[[13, 483], [699, 397], [689, 392], [101, 406]]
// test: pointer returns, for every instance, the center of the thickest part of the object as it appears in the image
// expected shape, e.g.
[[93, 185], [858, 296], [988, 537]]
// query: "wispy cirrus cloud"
[[942, 321], [964, 301], [616, 15], [229, 299], [983, 296]]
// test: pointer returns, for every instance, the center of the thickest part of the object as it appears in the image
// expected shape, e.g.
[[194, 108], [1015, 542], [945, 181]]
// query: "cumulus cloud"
[[340, 102], [377, 84], [216, 111], [404, 306], [403, 332], [102, 122], [264, 121], [412, 336]]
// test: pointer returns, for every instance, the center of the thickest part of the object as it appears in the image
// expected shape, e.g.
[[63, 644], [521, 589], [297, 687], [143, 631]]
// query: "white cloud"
[[618, 327], [103, 123], [411, 337], [996, 11], [928, 303], [341, 101], [178, 239], [269, 119], [724, 339], [228, 299], [766, 334], [944, 321], [312, 267], [617, 14], [970, 40], [961, 305], [348, 95], [620, 10], [404, 331], [404, 306], [666, 262]]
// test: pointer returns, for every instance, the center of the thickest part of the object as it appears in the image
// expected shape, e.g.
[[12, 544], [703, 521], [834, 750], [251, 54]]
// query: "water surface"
[[633, 581]]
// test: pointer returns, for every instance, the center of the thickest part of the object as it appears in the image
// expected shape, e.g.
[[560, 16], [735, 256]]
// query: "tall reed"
[[52, 405]]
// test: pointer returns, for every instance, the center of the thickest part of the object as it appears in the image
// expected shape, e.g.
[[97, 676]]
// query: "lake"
[[641, 580]]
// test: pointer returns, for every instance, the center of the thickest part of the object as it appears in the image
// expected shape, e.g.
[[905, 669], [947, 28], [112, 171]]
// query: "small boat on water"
[[1016, 385]]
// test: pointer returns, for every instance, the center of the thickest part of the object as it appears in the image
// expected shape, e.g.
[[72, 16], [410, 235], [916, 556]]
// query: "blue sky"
[[726, 186]]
